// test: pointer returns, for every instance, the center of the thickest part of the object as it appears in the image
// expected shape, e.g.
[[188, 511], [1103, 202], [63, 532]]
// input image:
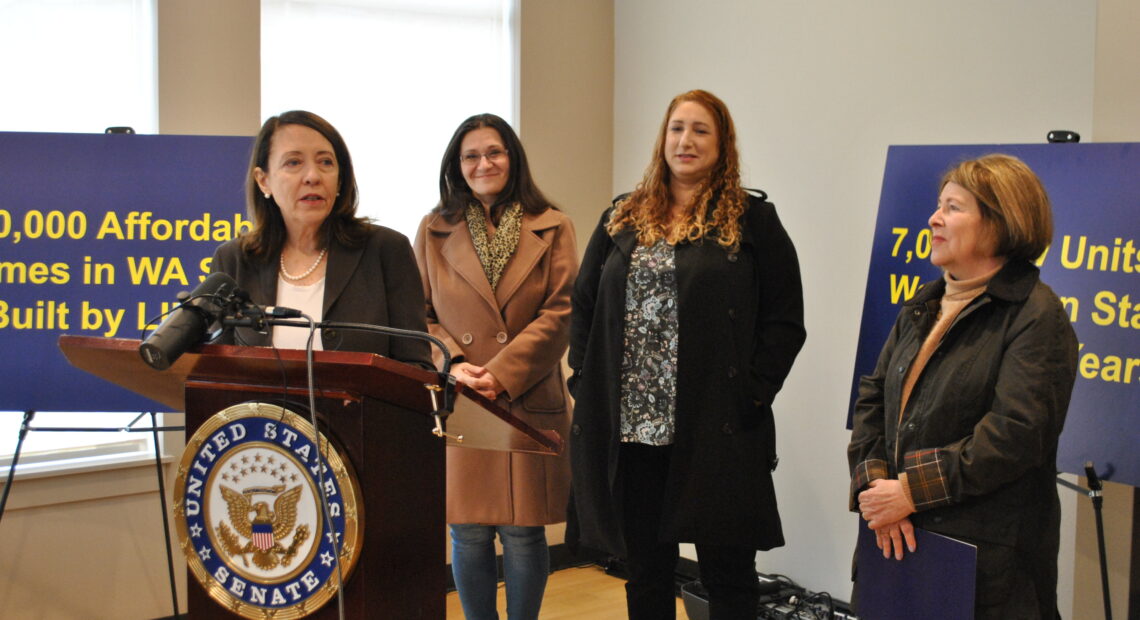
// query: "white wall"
[[818, 91]]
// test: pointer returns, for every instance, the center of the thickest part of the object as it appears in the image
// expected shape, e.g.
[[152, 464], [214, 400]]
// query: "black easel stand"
[[129, 428], [1094, 493], [28, 415]]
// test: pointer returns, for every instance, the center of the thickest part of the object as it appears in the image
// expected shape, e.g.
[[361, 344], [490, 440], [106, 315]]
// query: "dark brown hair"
[[455, 194], [268, 233]]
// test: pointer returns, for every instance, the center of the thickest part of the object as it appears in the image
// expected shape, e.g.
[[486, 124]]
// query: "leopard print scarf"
[[494, 254]]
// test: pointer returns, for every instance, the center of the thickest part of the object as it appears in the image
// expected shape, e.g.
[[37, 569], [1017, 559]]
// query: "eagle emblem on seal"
[[262, 530]]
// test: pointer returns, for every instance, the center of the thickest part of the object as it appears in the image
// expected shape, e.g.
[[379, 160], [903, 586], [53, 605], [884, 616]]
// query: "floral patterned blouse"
[[649, 357]]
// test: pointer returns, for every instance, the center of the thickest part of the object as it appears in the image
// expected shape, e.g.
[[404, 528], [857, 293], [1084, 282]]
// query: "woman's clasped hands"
[[477, 378], [886, 508]]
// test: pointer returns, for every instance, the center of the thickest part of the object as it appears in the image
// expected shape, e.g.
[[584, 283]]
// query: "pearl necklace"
[[293, 278]]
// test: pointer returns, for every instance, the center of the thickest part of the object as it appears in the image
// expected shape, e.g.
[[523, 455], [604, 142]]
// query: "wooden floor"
[[586, 592]]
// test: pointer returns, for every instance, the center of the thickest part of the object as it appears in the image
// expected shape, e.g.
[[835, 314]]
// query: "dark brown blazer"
[[376, 283]]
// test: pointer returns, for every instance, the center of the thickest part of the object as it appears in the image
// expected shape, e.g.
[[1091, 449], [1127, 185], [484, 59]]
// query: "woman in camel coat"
[[498, 263]]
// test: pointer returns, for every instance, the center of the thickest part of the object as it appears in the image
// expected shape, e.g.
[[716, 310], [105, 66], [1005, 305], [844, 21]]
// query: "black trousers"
[[727, 573]]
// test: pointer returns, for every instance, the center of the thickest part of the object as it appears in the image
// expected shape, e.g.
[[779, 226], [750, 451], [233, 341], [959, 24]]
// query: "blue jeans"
[[526, 564]]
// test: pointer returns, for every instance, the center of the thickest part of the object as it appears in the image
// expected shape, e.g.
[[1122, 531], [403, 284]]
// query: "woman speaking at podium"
[[956, 429], [498, 261], [309, 251]]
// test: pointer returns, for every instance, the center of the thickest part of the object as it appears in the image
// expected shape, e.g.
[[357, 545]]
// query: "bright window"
[[77, 66], [50, 451], [395, 77]]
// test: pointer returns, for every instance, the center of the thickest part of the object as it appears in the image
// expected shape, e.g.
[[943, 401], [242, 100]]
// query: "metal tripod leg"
[[165, 517], [28, 415]]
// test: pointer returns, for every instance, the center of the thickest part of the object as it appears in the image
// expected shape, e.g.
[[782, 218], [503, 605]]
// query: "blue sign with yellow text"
[[98, 233]]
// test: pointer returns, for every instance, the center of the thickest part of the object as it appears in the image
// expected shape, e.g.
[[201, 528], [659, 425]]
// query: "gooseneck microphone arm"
[[396, 331], [258, 317], [446, 379]]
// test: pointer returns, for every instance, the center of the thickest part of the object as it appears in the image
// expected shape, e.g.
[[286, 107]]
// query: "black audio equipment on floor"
[[780, 599]]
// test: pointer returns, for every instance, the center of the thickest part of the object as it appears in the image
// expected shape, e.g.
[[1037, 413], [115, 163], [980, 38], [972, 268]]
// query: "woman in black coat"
[[956, 429], [687, 316]]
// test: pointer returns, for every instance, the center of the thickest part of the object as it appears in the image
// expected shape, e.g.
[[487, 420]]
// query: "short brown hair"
[[1013, 202]]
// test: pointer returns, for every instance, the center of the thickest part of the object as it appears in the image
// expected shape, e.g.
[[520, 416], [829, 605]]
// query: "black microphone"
[[275, 312], [190, 323], [243, 312]]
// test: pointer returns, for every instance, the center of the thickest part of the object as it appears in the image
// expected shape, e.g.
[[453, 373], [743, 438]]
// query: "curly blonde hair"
[[646, 210]]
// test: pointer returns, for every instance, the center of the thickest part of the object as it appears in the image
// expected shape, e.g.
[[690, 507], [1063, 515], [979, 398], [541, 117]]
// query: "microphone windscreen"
[[188, 325]]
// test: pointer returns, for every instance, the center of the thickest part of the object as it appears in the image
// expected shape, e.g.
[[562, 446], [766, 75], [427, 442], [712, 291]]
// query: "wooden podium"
[[377, 411]]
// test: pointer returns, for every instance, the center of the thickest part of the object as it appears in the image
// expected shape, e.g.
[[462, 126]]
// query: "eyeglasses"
[[495, 156]]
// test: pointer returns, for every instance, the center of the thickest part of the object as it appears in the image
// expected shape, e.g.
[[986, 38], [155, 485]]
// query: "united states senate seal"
[[247, 506]]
